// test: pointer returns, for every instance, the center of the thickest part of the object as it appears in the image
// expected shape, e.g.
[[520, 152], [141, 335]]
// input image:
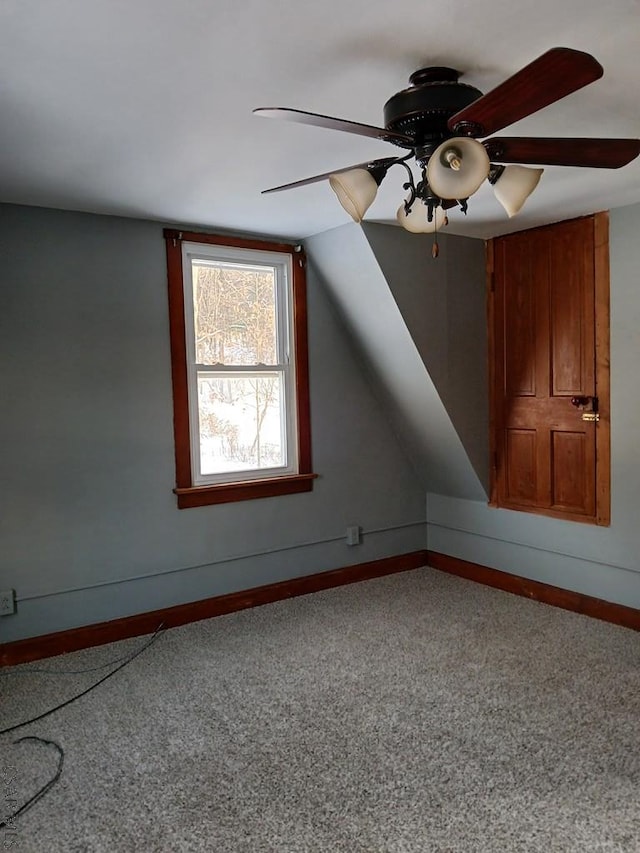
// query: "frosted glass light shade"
[[356, 190], [515, 185], [417, 221], [457, 167]]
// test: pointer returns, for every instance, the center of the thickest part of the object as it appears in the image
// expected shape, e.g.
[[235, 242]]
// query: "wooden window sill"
[[194, 496]]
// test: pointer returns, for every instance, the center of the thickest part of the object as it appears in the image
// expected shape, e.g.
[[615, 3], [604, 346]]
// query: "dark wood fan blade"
[[547, 79], [384, 161], [331, 123], [597, 153]]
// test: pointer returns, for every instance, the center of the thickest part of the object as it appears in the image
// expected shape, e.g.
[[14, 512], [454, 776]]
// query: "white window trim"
[[282, 263]]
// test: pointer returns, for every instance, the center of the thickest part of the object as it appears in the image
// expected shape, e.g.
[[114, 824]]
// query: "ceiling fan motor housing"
[[422, 110]]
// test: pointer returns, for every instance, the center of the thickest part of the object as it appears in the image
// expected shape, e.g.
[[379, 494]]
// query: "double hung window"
[[238, 337]]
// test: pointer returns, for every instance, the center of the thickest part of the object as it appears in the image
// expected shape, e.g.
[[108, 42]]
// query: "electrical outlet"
[[7, 602], [353, 535]]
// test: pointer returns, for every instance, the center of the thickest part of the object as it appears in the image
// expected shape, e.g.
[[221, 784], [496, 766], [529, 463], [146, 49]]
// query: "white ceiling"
[[143, 107]]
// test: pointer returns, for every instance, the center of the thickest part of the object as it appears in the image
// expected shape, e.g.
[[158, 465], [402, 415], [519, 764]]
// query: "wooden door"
[[549, 324]]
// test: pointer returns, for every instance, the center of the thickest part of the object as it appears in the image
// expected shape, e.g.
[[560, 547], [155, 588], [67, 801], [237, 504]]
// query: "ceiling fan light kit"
[[356, 191], [440, 120], [417, 220], [512, 185], [458, 168]]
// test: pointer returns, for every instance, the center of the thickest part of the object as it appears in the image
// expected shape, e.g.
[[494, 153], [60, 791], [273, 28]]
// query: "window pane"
[[234, 309], [241, 422]]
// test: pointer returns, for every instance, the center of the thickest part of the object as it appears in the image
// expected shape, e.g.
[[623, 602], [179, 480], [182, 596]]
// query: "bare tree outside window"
[[235, 326]]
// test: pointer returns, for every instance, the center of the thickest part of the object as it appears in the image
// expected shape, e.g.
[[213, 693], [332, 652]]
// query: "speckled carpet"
[[417, 713]]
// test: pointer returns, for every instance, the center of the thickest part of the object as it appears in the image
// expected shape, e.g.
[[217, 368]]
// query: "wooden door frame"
[[602, 376]]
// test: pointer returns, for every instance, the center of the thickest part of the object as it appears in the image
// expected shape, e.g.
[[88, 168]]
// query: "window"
[[239, 364]]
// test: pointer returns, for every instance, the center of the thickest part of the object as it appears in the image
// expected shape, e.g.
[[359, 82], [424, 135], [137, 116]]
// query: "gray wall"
[[370, 292], [89, 528], [603, 562], [443, 304]]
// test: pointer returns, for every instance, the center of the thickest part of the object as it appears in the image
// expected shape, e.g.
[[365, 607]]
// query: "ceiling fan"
[[438, 120]]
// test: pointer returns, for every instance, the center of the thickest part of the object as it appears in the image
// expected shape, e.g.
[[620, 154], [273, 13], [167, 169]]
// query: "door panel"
[[519, 323], [543, 354], [572, 487], [521, 465], [571, 309]]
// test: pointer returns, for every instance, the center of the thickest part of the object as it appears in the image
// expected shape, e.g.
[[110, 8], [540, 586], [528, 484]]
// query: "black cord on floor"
[[45, 788], [24, 670], [54, 779], [88, 690]]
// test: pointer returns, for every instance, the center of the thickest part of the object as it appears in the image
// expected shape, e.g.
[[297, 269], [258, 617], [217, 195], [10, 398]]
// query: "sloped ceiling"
[[443, 305], [398, 316], [144, 108]]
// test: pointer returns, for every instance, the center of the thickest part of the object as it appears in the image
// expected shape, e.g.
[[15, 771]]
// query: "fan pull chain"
[[435, 249]]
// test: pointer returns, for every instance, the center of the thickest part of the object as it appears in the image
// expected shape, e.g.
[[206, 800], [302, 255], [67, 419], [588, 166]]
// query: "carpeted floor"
[[418, 713]]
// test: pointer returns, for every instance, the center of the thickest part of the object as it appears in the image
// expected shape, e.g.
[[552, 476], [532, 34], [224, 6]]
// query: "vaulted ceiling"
[[144, 108]]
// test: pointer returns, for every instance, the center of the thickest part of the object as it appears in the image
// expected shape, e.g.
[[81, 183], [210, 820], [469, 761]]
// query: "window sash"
[[285, 341], [288, 441]]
